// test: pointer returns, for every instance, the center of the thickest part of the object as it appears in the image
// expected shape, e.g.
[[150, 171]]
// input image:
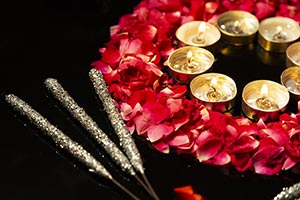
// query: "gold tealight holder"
[[264, 99], [238, 27], [293, 55], [187, 62], [199, 34], [277, 33], [290, 78], [216, 91]]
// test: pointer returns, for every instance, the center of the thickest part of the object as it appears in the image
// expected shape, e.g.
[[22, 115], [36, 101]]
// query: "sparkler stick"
[[289, 193], [126, 140], [63, 141], [91, 126]]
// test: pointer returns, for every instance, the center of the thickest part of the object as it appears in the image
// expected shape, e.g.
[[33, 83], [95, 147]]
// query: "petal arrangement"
[[156, 107]]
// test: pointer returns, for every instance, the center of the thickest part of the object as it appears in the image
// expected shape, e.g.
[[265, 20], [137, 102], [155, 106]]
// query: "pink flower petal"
[[220, 159], [208, 146], [156, 132], [289, 163], [179, 140]]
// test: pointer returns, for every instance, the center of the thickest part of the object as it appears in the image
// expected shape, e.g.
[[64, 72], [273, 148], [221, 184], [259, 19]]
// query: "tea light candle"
[[277, 33], [264, 99], [187, 62], [238, 27], [198, 33], [293, 55], [290, 78], [216, 91]]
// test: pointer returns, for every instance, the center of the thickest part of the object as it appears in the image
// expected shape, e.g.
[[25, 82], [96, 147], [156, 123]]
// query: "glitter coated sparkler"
[[126, 140], [118, 124], [289, 193], [62, 140], [89, 124]]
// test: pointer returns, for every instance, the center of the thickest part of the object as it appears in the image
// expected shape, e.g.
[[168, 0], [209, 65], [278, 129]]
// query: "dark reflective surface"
[[60, 40]]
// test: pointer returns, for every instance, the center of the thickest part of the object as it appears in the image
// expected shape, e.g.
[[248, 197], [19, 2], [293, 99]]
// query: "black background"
[[60, 40]]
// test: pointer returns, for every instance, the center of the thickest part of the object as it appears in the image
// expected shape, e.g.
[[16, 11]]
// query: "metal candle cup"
[[216, 91], [199, 34], [290, 78], [187, 62], [277, 33], [238, 27], [293, 55], [264, 99]]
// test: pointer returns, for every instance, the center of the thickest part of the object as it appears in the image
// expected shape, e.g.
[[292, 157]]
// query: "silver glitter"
[[60, 139], [89, 124], [126, 141], [289, 193]]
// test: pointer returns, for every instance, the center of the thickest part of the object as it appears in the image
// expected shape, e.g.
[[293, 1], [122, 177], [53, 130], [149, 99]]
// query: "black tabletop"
[[60, 40]]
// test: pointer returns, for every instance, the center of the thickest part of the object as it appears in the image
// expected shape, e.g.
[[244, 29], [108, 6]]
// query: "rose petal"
[[179, 140], [156, 132], [220, 159], [268, 160], [208, 150], [162, 147]]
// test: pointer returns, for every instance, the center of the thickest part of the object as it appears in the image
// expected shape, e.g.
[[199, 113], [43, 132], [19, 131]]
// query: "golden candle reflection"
[[213, 94], [264, 102], [200, 38]]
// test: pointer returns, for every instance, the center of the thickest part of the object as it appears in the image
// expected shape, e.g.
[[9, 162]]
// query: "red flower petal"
[[161, 146], [268, 160], [241, 161], [111, 55], [187, 193]]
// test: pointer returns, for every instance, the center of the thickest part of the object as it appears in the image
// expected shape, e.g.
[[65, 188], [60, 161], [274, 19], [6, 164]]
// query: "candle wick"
[[279, 36], [237, 27], [200, 37], [213, 95], [265, 103]]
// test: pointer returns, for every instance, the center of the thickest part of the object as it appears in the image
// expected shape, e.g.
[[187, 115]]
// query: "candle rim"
[[291, 48], [284, 75], [188, 48], [268, 82], [197, 22], [214, 74], [238, 13], [267, 20]]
